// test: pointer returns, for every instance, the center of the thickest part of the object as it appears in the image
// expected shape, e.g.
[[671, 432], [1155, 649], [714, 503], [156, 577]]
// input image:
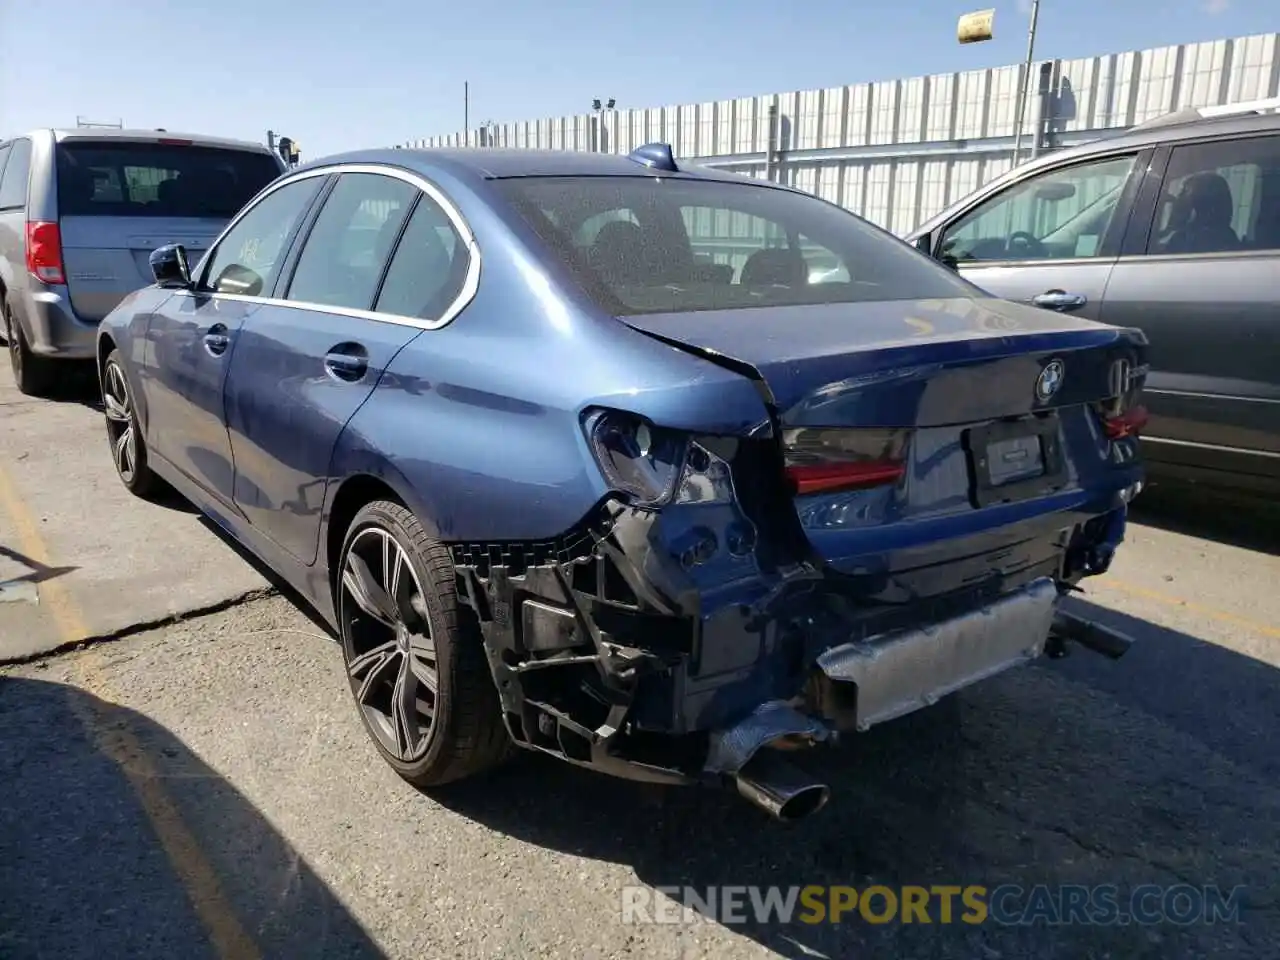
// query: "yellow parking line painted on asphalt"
[[122, 745], [1169, 600]]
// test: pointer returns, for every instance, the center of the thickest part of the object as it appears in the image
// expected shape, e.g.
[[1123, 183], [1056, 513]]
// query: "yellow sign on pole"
[[976, 27]]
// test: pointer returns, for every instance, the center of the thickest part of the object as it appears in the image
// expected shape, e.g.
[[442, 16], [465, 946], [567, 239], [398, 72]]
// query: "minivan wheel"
[[128, 451], [415, 660], [35, 376]]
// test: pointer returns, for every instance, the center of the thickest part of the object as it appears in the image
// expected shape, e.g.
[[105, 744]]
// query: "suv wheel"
[[34, 375]]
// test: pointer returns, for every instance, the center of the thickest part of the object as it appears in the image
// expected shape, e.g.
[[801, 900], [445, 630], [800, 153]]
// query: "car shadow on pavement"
[[1206, 513], [1156, 769], [83, 871]]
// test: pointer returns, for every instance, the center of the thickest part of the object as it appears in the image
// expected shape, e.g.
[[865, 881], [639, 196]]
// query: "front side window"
[[123, 179], [649, 245], [345, 252], [13, 184], [248, 259], [1060, 215], [1220, 197]]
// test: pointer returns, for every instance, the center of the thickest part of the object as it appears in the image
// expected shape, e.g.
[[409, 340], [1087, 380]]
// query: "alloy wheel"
[[121, 426], [390, 651]]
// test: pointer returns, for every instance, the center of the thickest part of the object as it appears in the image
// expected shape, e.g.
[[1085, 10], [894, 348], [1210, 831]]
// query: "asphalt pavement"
[[202, 787]]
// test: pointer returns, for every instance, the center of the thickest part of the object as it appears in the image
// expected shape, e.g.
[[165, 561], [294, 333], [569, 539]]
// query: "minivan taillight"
[[44, 252]]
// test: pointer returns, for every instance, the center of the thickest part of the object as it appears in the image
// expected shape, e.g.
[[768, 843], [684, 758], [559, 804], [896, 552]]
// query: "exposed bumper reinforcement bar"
[[898, 674], [1090, 633]]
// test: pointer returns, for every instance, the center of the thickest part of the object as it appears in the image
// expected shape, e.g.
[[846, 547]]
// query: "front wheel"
[[415, 662], [128, 451]]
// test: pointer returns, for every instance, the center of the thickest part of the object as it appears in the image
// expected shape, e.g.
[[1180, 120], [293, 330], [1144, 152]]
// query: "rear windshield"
[[643, 245], [158, 180]]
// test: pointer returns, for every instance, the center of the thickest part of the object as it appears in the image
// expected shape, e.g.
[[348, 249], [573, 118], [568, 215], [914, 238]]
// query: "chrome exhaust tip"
[[780, 789]]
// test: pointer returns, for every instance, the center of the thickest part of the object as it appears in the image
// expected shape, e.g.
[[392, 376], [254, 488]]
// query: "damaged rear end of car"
[[927, 479], [879, 540]]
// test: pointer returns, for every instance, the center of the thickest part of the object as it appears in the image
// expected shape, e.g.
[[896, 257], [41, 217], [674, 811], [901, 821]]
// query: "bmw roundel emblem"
[[1050, 380]]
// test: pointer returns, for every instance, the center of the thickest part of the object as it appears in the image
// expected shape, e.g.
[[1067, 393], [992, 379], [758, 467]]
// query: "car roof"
[[98, 134], [493, 163]]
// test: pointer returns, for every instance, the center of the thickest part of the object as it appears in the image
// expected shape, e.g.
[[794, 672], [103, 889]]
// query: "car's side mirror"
[[924, 243], [169, 267]]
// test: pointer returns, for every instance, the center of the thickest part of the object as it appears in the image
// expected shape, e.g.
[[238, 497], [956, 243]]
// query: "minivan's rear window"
[[114, 179], [645, 244]]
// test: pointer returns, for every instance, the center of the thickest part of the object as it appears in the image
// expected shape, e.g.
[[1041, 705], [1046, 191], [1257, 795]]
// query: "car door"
[[192, 337], [307, 361], [1203, 282], [1051, 238]]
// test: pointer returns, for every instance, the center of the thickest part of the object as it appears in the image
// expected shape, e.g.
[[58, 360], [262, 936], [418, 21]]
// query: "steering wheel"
[[1022, 244]]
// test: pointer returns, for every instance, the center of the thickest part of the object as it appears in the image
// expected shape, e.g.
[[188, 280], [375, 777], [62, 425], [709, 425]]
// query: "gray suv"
[[80, 213], [1173, 227]]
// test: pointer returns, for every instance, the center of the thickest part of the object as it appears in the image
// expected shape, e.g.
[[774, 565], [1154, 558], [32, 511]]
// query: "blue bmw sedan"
[[651, 468]]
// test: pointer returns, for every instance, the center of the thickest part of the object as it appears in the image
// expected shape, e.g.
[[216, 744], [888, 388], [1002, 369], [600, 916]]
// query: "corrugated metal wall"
[[898, 151]]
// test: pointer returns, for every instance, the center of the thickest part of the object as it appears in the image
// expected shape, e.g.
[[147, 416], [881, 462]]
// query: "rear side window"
[[108, 179], [13, 183], [1220, 197], [429, 267], [648, 245]]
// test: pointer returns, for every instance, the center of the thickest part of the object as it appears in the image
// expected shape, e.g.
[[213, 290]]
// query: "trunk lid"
[[920, 433]]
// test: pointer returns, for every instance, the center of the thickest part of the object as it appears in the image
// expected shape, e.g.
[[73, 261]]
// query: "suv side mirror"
[[169, 266], [924, 243]]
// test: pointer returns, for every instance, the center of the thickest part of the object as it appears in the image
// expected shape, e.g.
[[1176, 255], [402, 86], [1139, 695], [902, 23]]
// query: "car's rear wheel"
[[35, 376], [415, 660], [128, 451]]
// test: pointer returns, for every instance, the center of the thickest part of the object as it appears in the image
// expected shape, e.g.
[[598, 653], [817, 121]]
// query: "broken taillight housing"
[[830, 459], [654, 465], [1126, 424]]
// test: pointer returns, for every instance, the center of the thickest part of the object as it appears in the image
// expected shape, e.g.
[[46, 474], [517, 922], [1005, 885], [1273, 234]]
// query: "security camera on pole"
[[978, 27]]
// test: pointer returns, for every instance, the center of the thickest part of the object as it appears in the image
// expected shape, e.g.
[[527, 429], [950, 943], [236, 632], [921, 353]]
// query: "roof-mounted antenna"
[[657, 156]]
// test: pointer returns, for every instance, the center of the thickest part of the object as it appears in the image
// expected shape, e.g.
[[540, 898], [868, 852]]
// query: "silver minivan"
[[80, 213]]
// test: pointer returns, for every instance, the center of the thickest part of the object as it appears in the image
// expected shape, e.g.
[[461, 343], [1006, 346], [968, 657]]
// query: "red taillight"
[[1127, 424], [829, 477], [44, 252]]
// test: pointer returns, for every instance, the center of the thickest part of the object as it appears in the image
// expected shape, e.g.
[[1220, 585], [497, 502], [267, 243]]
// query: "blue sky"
[[346, 74]]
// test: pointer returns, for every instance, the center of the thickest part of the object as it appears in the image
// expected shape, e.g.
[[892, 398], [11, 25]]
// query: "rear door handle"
[[216, 340], [347, 362], [1060, 300]]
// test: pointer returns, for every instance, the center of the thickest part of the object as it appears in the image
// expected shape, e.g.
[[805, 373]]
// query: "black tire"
[[35, 376], [464, 735], [124, 435]]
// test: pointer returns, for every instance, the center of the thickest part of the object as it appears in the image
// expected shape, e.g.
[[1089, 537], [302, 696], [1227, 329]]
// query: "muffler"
[[779, 788]]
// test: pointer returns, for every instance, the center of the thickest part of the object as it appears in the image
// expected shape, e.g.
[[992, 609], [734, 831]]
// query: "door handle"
[[345, 366], [216, 340], [1060, 300]]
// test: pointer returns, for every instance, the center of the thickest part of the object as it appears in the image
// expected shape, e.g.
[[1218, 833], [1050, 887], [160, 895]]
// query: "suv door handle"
[[348, 362], [1060, 300], [216, 340]]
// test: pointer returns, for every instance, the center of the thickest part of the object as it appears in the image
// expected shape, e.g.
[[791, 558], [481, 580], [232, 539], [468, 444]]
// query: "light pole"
[[977, 27], [599, 112]]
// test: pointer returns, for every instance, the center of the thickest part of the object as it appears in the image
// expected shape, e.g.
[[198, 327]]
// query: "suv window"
[[120, 179], [347, 248], [1220, 197], [1059, 214], [429, 266], [248, 259], [688, 245], [13, 186]]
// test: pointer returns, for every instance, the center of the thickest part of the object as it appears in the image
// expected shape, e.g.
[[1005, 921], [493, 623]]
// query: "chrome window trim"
[[470, 283]]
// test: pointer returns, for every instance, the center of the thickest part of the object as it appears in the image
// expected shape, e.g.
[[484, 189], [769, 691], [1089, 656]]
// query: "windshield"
[[647, 245], [108, 179]]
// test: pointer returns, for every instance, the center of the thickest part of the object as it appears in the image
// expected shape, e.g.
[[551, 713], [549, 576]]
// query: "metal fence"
[[898, 151]]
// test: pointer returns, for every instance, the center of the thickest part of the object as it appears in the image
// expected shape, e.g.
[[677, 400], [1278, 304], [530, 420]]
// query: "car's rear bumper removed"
[[606, 654]]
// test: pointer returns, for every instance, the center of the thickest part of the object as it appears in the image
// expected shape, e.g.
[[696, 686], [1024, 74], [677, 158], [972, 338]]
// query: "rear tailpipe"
[[780, 789]]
